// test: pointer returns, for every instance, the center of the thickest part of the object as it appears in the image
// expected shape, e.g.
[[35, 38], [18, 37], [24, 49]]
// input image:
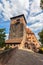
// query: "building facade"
[[17, 34], [21, 36], [31, 40]]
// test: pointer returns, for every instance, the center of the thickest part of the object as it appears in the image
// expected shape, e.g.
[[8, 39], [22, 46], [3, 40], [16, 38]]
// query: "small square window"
[[18, 20], [33, 40]]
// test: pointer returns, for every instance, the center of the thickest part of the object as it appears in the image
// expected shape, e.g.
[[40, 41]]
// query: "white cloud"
[[36, 16], [10, 8], [35, 7], [37, 22], [37, 26], [7, 35], [13, 8], [1, 7]]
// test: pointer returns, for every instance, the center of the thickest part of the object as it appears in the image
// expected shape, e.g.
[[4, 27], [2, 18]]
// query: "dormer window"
[[17, 23]]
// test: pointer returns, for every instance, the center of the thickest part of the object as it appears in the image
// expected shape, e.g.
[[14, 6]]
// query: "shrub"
[[41, 50], [7, 47]]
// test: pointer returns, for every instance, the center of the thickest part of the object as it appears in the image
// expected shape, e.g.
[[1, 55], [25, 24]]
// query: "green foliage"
[[41, 4], [2, 37], [41, 36], [41, 49], [42, 1], [7, 47]]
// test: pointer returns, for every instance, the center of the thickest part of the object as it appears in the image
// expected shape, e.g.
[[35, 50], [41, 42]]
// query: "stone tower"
[[17, 27], [20, 35]]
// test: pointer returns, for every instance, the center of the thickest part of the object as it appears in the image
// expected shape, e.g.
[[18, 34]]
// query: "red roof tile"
[[15, 40]]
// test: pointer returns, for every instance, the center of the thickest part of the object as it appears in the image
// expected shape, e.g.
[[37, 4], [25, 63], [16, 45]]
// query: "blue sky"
[[30, 8]]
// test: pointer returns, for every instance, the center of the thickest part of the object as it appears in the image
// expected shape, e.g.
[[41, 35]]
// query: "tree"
[[41, 4], [42, 1], [2, 37], [41, 36]]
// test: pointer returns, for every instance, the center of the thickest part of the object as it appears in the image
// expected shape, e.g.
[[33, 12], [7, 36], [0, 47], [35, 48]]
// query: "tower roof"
[[22, 15]]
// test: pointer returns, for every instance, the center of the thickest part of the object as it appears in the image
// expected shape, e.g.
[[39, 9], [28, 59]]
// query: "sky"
[[30, 8]]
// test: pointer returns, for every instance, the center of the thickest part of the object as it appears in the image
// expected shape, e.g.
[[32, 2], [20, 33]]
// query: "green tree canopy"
[[41, 4], [41, 36], [2, 37], [42, 1]]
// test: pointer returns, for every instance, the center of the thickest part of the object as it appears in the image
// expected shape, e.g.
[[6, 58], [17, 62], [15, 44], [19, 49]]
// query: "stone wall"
[[16, 28]]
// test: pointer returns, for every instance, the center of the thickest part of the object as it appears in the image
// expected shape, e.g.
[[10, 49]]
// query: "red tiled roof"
[[15, 40], [29, 31]]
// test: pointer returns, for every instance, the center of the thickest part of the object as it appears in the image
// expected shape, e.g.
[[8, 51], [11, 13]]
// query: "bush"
[[41, 50], [7, 47]]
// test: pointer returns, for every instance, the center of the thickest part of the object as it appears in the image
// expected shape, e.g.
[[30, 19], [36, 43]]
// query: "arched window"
[[26, 45]]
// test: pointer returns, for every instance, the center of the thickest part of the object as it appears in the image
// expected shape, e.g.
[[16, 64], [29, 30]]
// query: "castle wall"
[[20, 35]]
